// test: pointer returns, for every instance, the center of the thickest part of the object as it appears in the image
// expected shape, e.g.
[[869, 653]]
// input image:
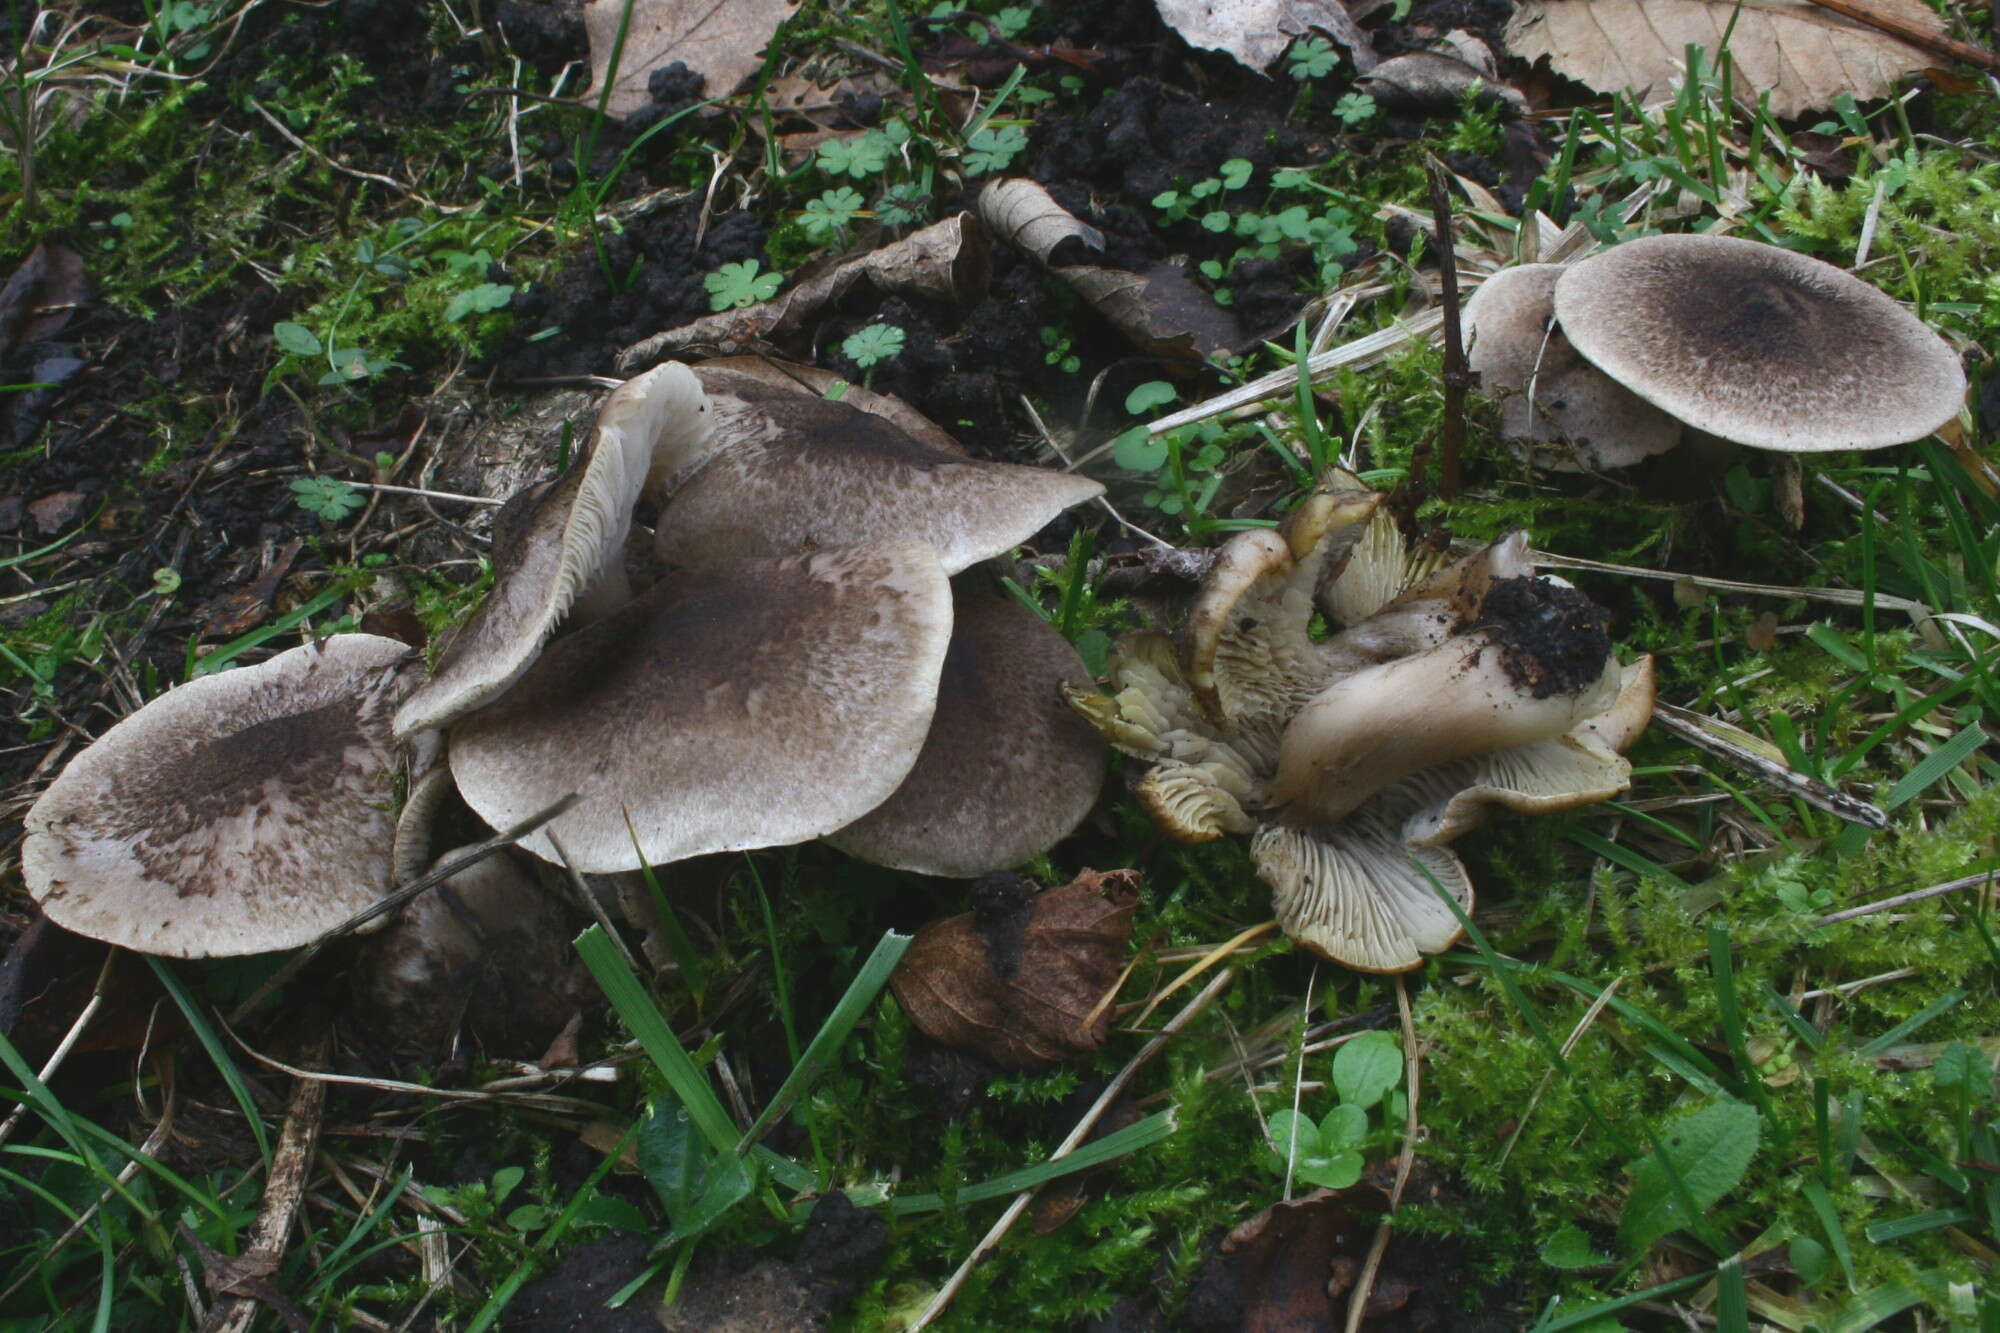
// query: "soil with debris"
[[1551, 639]]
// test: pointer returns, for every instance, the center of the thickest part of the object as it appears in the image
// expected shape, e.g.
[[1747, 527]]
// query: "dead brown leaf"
[[721, 40], [1017, 980], [54, 511], [41, 295], [944, 263], [1161, 309], [1803, 55], [1257, 32]]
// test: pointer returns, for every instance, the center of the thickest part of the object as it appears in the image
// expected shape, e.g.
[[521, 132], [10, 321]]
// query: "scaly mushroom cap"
[[792, 472], [1759, 345], [1537, 663], [768, 702], [1007, 770], [239, 813], [1548, 394], [560, 542]]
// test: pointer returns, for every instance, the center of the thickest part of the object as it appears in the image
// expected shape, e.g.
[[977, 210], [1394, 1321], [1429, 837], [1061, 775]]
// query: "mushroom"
[[1006, 771], [559, 546], [1549, 395], [239, 813], [765, 702], [1355, 760], [789, 471], [1759, 345]]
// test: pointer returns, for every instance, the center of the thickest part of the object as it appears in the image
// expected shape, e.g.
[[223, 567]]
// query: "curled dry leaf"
[[1803, 55], [722, 40], [1159, 309], [1282, 1271], [1257, 32], [944, 263], [41, 296], [1017, 980]]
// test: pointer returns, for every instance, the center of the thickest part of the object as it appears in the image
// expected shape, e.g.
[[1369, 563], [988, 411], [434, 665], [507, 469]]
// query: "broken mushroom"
[[1353, 761], [242, 812]]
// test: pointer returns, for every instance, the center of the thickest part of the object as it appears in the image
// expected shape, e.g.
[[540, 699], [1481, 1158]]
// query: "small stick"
[[70, 1038], [1904, 899], [283, 1188], [994, 1235], [1705, 734], [1457, 378], [1935, 43], [487, 500], [437, 874]]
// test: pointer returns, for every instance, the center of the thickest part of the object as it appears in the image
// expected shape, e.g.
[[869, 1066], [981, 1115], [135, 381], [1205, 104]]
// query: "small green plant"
[[327, 498], [868, 347], [1354, 109], [864, 155], [902, 205], [1057, 351], [826, 218], [1311, 58], [993, 149], [1328, 1153], [739, 285]]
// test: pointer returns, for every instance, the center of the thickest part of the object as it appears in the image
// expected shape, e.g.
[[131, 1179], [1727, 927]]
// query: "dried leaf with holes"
[[1017, 980], [1803, 55], [723, 41]]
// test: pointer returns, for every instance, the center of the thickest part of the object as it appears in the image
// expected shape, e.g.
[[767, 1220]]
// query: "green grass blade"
[[826, 1043], [204, 1032], [645, 1021], [1095, 1153], [1910, 1025], [1822, 1205]]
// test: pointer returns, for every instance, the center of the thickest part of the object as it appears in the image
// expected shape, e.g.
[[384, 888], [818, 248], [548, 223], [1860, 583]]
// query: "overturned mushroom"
[[1353, 761], [239, 813], [560, 546], [766, 702], [1549, 396], [1759, 345], [788, 471], [1006, 770]]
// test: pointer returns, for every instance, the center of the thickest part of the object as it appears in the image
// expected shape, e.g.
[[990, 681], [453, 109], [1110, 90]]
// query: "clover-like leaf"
[[1367, 1067]]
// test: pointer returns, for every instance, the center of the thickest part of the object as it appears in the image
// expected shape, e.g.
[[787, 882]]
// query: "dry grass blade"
[[1905, 899], [1219, 953]]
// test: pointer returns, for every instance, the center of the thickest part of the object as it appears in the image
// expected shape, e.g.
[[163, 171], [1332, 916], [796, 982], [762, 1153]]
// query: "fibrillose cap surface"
[[765, 703], [1759, 345], [239, 813]]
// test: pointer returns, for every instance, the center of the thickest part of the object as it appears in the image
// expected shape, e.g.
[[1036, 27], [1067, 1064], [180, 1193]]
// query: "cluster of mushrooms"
[[811, 653], [1621, 356]]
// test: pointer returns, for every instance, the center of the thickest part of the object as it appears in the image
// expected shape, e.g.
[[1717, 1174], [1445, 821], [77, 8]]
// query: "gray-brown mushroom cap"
[[1759, 345], [764, 703], [242, 812], [1008, 769], [1548, 394], [792, 472], [559, 542]]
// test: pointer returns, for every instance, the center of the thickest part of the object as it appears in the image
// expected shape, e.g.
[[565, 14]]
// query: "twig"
[[486, 500], [1707, 734], [1357, 1300], [437, 874], [998, 1231], [1905, 899], [1903, 30], [283, 1187], [1457, 378]]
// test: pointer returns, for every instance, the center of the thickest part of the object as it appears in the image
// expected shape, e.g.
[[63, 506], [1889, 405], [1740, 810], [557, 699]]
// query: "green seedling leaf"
[[1138, 451], [1367, 1067], [1291, 1131], [740, 285], [993, 150], [1344, 1127], [297, 339], [872, 344], [833, 210], [696, 1184], [1151, 394], [505, 1181], [481, 300], [329, 498], [1311, 58], [1963, 1065], [865, 155], [1709, 1149], [1333, 1172], [1570, 1248], [1809, 1259], [1236, 173], [1296, 1141]]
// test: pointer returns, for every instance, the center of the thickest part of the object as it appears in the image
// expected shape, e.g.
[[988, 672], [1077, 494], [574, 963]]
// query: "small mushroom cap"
[[768, 702], [789, 472], [1538, 664], [553, 543], [1008, 770], [1548, 394], [239, 813], [1759, 345]]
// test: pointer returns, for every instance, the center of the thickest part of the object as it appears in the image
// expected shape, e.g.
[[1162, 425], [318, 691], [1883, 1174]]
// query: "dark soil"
[[1552, 640]]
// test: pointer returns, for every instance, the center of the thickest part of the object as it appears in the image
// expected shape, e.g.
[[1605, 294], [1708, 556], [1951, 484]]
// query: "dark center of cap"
[[1552, 640]]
